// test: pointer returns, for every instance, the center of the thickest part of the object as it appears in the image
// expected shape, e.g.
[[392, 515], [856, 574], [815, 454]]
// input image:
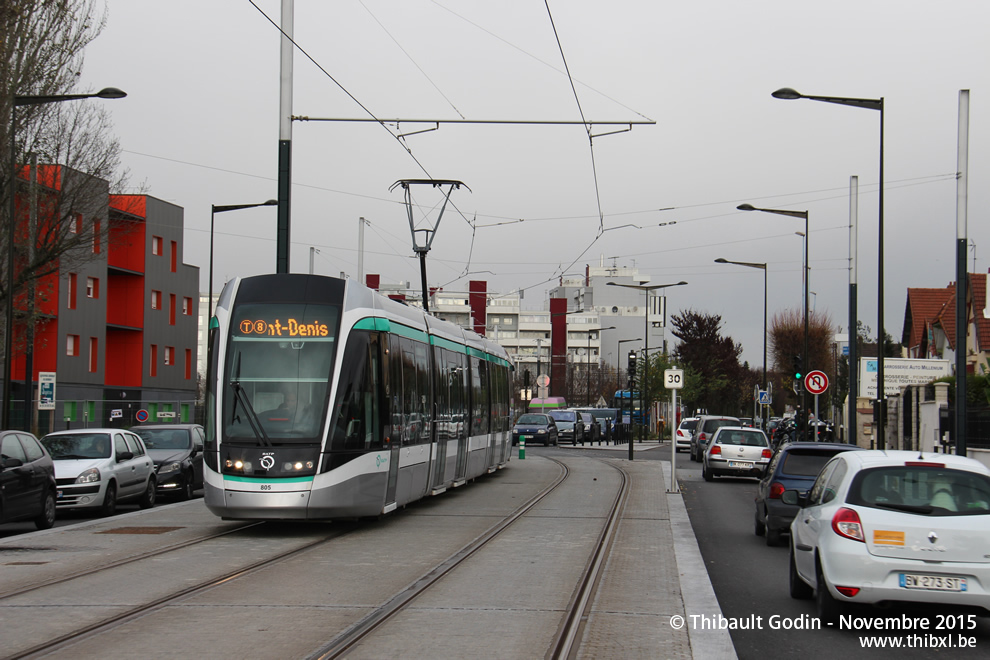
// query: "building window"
[[156, 299], [188, 364], [96, 236], [174, 256], [154, 360], [171, 309], [75, 224], [93, 354], [156, 245], [92, 287], [169, 355], [71, 303], [187, 306], [72, 344]]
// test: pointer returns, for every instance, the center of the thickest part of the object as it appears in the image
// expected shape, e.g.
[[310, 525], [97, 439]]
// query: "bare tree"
[[63, 214]]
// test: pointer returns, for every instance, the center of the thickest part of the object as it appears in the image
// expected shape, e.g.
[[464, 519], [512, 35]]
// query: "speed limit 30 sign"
[[816, 382], [673, 379]]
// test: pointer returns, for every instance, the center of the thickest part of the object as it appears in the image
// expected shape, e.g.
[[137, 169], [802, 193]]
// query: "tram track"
[[566, 615], [121, 562], [566, 639]]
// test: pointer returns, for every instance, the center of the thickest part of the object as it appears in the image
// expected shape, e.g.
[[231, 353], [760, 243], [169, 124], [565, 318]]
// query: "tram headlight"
[[238, 464], [297, 465]]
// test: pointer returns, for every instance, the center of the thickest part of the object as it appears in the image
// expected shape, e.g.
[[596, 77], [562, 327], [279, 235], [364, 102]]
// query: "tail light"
[[776, 490], [716, 450], [680, 433], [767, 453], [848, 592], [846, 524]]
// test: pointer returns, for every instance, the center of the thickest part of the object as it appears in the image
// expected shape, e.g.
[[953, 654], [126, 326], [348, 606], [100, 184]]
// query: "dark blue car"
[[535, 428], [795, 466]]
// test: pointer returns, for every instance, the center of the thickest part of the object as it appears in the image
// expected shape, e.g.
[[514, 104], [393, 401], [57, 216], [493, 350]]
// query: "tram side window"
[[357, 410], [423, 397], [479, 397], [412, 420], [442, 395], [458, 394]]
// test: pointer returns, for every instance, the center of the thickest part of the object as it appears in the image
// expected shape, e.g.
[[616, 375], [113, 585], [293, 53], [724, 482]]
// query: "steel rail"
[[121, 562], [344, 642], [565, 645], [118, 620]]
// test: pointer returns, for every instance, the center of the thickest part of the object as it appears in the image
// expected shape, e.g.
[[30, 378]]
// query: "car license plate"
[[527, 437], [741, 465], [932, 582], [59, 495]]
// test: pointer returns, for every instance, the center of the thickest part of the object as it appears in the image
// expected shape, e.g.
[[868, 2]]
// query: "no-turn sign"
[[816, 382]]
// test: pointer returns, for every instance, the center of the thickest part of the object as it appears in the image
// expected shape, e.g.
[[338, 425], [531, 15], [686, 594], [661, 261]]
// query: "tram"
[[328, 400]]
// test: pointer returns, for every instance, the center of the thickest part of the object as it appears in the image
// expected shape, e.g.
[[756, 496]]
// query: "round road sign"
[[141, 416], [543, 380], [816, 382]]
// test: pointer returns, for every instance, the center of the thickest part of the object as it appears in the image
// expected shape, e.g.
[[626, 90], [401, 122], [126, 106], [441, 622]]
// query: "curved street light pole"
[[105, 93], [647, 289], [214, 209], [805, 360], [763, 267], [789, 94]]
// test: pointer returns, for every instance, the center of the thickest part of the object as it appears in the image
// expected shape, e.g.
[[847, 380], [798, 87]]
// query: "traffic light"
[[797, 367], [631, 367]]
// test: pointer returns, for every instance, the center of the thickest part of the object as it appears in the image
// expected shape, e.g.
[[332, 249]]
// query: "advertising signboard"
[[898, 373]]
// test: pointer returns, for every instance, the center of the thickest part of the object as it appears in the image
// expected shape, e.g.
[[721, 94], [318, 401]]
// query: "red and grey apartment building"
[[118, 327]]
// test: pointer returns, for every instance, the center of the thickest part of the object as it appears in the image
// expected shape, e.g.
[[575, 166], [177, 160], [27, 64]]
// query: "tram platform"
[[655, 581]]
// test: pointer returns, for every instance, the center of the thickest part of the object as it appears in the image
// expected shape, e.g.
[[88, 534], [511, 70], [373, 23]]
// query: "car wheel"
[[800, 590], [706, 473], [187, 488], [47, 518], [109, 506], [758, 527], [774, 538], [150, 495], [829, 609], [546, 441]]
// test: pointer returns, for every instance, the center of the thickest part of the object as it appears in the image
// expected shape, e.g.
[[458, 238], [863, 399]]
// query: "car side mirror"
[[125, 456], [11, 462], [196, 449]]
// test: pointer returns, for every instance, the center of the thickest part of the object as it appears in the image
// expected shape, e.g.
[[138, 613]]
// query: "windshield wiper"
[[259, 430]]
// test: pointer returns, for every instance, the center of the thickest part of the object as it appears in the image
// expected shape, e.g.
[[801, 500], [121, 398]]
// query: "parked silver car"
[[740, 451], [97, 468]]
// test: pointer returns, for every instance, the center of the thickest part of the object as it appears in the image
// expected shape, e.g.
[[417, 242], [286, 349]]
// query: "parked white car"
[[879, 527], [98, 468]]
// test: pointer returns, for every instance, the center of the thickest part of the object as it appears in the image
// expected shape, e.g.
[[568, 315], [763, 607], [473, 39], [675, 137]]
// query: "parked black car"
[[570, 426], [27, 480], [535, 427], [177, 450], [794, 467]]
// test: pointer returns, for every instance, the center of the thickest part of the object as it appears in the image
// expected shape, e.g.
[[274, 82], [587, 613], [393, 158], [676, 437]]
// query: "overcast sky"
[[200, 127]]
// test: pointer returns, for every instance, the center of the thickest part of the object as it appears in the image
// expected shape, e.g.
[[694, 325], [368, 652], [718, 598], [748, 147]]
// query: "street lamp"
[[806, 360], [105, 93], [214, 209], [763, 267], [587, 384], [646, 288], [789, 94]]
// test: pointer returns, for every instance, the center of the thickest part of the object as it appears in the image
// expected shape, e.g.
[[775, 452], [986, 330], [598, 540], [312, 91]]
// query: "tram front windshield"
[[277, 372]]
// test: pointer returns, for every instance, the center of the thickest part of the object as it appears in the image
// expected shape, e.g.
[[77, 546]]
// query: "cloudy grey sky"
[[200, 127]]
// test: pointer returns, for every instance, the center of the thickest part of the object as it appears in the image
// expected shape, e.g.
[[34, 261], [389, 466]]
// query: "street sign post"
[[816, 382], [673, 380]]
